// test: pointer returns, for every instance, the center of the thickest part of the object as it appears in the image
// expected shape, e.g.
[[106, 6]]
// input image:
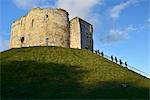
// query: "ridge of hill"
[[56, 72]]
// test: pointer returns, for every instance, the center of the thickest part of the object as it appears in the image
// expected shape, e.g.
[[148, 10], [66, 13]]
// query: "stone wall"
[[51, 27], [41, 27], [75, 36], [86, 35], [81, 34]]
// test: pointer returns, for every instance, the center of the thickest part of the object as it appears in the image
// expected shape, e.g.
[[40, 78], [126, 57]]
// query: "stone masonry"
[[51, 27]]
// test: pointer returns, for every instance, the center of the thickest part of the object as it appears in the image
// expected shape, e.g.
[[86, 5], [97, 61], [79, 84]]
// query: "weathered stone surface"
[[41, 27], [51, 27], [81, 34]]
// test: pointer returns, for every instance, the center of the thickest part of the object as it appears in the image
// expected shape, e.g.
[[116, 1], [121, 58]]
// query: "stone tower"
[[51, 27], [81, 34]]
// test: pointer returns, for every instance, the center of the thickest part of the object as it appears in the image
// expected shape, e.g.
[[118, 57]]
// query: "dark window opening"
[[46, 16], [32, 22], [22, 39]]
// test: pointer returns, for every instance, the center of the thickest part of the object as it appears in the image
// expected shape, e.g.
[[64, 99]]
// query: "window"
[[32, 22], [46, 16], [22, 41], [46, 41]]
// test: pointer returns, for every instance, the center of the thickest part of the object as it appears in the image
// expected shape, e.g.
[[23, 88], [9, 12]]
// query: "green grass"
[[55, 72]]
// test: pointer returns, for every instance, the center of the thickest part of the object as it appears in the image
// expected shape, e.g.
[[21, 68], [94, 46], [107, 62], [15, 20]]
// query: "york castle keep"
[[51, 27]]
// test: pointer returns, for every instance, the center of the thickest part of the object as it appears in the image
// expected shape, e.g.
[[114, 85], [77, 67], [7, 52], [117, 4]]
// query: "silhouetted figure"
[[112, 58], [98, 52], [126, 64], [102, 53], [120, 61], [116, 59]]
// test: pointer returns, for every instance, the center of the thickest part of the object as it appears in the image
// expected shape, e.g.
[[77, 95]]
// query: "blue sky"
[[121, 27]]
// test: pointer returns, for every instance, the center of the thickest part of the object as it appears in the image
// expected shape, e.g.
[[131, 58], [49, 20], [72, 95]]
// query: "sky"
[[121, 27]]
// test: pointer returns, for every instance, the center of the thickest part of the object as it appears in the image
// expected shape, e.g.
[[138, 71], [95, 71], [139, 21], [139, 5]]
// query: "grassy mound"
[[55, 72]]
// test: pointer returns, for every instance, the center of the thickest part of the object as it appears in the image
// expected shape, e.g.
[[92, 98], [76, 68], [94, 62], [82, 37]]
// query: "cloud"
[[116, 10], [116, 35], [28, 4], [130, 29], [81, 8], [148, 20]]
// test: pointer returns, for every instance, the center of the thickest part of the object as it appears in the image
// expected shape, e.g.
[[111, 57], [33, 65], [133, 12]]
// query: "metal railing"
[[122, 64]]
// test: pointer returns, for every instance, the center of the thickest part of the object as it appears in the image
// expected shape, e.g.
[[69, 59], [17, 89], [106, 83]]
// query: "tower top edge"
[[38, 8]]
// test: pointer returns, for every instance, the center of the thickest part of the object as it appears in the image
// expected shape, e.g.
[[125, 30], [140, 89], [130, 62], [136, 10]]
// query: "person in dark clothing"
[[120, 61], [102, 53], [126, 64], [112, 58], [116, 59], [98, 52]]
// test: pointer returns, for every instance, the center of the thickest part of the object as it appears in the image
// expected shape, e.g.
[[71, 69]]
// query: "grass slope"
[[55, 72]]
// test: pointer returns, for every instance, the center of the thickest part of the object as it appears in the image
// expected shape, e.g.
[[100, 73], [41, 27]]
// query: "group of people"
[[98, 52], [112, 58]]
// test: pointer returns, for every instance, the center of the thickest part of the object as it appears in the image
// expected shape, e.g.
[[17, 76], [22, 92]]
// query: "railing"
[[122, 64]]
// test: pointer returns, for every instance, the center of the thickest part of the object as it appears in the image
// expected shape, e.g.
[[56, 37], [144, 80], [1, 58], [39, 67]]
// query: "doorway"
[[22, 41]]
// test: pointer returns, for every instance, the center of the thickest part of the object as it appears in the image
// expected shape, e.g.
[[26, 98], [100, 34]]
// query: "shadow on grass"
[[32, 80], [114, 89], [29, 79]]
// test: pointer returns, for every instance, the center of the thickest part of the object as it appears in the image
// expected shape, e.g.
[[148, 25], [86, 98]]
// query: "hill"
[[55, 72]]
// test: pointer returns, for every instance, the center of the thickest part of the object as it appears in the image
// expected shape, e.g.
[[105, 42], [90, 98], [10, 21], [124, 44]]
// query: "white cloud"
[[130, 28], [116, 35], [116, 10], [95, 20], [81, 8], [148, 20]]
